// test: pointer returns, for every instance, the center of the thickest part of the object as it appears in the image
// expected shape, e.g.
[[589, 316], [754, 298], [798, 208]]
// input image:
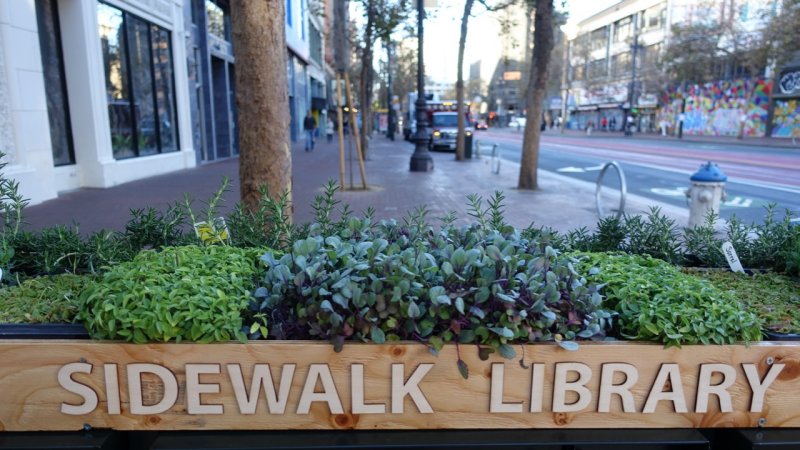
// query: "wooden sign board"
[[67, 385]]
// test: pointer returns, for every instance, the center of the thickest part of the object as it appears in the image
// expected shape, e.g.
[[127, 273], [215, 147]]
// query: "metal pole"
[[683, 109], [564, 81], [421, 160], [634, 48], [390, 109]]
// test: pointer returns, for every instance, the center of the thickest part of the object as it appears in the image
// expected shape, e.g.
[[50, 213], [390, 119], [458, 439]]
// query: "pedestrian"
[[329, 130], [629, 125], [613, 124], [310, 127], [604, 123]]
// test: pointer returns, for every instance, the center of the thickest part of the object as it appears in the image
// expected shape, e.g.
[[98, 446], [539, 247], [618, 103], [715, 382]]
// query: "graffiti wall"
[[786, 121], [718, 108]]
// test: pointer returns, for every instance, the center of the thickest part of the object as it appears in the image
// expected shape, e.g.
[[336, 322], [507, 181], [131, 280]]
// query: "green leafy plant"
[[11, 205], [657, 302], [773, 297], [654, 234], [773, 238], [771, 244], [470, 285], [269, 226], [48, 299], [149, 228], [196, 293]]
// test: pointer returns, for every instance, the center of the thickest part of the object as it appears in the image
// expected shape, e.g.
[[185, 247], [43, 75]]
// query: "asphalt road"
[[660, 170]]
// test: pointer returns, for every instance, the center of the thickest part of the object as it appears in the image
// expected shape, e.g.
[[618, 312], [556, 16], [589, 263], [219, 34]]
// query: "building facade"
[[508, 83], [306, 65], [615, 61], [614, 66], [96, 93], [211, 79], [89, 93]]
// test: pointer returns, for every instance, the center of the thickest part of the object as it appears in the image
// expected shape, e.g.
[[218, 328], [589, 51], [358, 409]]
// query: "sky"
[[442, 30]]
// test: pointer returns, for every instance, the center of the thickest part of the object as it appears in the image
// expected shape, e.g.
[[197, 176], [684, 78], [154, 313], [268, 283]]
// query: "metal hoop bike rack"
[[622, 187]]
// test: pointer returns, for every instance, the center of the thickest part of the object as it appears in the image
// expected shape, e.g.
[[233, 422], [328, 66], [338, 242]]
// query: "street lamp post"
[[390, 106], [421, 160]]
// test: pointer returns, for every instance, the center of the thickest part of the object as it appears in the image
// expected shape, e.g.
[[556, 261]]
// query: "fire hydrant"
[[706, 193]]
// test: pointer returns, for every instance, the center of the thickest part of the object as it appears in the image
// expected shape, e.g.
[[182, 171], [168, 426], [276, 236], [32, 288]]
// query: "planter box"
[[68, 385]]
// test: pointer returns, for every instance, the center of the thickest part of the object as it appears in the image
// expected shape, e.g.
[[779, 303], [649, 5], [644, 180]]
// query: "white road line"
[[765, 185]]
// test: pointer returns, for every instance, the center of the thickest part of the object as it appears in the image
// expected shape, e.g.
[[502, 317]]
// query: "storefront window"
[[55, 84], [218, 18], [165, 98], [139, 84]]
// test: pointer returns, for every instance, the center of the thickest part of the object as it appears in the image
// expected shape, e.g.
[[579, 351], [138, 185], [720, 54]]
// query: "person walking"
[[310, 126], [329, 130]]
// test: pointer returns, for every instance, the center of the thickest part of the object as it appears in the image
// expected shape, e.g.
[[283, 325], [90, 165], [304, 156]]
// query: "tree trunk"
[[262, 102], [537, 83], [365, 88], [460, 81]]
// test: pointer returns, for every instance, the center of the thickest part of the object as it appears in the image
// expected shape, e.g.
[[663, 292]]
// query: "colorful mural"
[[718, 108], [786, 119]]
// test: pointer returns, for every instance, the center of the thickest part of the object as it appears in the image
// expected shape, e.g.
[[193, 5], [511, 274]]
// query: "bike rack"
[[494, 162], [622, 186]]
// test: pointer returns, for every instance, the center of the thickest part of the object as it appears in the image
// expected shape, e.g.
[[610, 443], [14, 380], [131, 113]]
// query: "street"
[[660, 169]]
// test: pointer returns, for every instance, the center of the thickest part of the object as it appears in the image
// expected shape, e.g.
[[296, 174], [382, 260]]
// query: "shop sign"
[[790, 82], [280, 385]]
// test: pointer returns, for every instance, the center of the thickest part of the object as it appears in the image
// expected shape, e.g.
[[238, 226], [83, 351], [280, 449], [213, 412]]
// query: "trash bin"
[[468, 145]]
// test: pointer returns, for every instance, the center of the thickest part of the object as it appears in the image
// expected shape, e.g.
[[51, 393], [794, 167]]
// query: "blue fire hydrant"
[[706, 193]]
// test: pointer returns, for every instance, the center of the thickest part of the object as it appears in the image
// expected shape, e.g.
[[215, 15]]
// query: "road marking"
[[676, 192], [573, 169], [594, 168], [739, 202], [688, 173], [570, 169]]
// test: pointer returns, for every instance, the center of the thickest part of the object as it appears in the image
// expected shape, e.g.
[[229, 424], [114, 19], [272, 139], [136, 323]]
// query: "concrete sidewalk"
[[393, 191]]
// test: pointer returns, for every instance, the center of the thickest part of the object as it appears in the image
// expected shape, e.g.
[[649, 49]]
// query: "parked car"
[[481, 125], [517, 122]]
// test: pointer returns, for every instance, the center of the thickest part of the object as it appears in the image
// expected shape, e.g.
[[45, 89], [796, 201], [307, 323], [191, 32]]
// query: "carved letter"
[[328, 394], [668, 373], [705, 389], [112, 388], [496, 404], [760, 388], [88, 394], [357, 389], [276, 402], [537, 387], [135, 372], [411, 388], [194, 388], [608, 388], [561, 386]]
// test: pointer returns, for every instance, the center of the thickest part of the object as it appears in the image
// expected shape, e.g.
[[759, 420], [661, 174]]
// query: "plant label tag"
[[732, 257], [213, 231]]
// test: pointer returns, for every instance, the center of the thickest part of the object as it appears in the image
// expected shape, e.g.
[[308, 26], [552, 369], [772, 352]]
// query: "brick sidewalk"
[[393, 190]]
